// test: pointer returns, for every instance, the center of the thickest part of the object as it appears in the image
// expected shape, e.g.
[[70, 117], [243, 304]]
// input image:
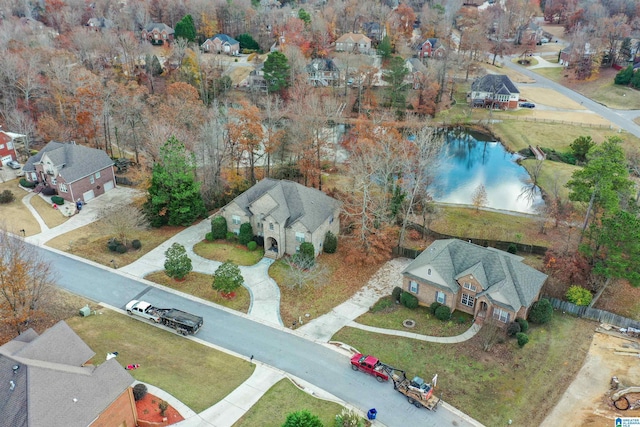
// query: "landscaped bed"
[[195, 374], [224, 251], [389, 315], [199, 284], [506, 383]]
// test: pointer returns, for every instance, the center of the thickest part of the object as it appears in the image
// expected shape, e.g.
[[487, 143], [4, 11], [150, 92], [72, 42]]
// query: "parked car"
[[527, 105], [13, 164]]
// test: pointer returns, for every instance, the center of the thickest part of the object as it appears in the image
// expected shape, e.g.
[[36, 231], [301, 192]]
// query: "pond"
[[469, 159]]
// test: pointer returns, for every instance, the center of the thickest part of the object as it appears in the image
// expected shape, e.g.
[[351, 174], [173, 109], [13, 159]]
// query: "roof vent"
[[15, 368], [75, 400], [12, 385]]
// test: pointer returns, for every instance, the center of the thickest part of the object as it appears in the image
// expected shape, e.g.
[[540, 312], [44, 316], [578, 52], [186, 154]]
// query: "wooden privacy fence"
[[594, 314]]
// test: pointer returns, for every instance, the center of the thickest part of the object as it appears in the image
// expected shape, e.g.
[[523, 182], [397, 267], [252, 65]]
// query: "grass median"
[[195, 374]]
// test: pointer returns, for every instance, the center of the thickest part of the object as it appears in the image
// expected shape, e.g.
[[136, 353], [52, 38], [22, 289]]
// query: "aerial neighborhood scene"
[[338, 213]]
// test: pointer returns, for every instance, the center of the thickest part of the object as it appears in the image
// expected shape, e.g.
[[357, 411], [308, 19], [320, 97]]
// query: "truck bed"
[[183, 317]]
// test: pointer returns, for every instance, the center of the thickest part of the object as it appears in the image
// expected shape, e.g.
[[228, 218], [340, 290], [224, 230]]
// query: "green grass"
[[282, 399], [223, 251], [426, 323], [199, 284], [552, 175], [506, 383], [197, 375], [613, 95]]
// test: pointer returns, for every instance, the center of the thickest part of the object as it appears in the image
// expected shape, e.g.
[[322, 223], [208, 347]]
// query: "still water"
[[469, 159]]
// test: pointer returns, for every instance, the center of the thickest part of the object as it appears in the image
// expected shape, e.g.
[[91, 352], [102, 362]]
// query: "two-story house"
[[8, 147], [221, 43], [323, 72], [158, 33], [431, 48], [494, 91], [354, 42]]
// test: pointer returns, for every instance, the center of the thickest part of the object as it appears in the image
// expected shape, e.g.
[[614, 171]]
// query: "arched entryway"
[[271, 247], [482, 311]]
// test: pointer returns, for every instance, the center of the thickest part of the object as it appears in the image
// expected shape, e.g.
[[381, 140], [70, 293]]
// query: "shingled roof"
[[44, 380], [294, 202], [158, 26], [73, 161], [494, 83], [225, 38], [505, 279]]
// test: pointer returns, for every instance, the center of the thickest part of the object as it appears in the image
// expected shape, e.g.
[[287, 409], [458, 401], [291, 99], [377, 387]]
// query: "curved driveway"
[[621, 119]]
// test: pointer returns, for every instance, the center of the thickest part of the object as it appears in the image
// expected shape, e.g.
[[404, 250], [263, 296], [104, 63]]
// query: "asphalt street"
[[313, 362], [621, 119]]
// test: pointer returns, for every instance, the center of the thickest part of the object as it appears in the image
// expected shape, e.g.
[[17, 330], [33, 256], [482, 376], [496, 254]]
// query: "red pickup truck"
[[370, 365]]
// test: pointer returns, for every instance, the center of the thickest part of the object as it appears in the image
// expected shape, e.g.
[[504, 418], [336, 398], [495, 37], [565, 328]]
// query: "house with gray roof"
[[323, 72], [47, 380], [284, 214], [75, 171], [494, 91], [221, 43], [484, 282], [158, 33]]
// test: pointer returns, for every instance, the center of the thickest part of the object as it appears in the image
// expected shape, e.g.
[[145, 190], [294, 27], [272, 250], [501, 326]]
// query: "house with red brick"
[[49, 380], [431, 48], [221, 43], [7, 148], [158, 33], [75, 171], [494, 91]]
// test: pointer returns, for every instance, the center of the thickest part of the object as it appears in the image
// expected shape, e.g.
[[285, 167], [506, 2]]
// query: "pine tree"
[[276, 72], [186, 29]]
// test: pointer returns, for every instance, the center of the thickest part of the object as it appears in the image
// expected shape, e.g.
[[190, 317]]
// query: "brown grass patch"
[[90, 242], [515, 76], [199, 284], [549, 97], [15, 215], [621, 298], [51, 217]]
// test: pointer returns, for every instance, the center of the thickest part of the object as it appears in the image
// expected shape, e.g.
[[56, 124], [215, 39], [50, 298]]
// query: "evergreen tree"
[[635, 81], [177, 263], [276, 72], [395, 75], [385, 47], [304, 16], [247, 42], [624, 76], [186, 29], [227, 278], [174, 195], [581, 146]]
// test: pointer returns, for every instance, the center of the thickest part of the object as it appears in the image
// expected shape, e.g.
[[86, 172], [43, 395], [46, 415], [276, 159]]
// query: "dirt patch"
[[586, 402], [148, 410]]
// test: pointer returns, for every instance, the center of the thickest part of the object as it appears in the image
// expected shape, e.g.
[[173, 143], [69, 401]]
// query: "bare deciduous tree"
[[122, 221], [303, 272]]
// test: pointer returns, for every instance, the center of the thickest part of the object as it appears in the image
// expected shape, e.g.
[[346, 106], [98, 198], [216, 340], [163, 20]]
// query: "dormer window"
[[469, 286]]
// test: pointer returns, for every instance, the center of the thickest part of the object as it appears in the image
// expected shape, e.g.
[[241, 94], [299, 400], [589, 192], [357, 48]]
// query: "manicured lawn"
[[282, 399], [426, 323], [553, 174], [15, 216], [222, 251], [496, 386], [90, 242], [197, 375], [199, 285], [344, 281], [50, 216]]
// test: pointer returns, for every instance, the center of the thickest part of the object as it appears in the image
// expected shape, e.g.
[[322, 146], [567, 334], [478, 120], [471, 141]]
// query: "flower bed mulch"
[[148, 410]]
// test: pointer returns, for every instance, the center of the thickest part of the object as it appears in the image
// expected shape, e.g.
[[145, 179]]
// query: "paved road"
[[621, 119], [310, 361]]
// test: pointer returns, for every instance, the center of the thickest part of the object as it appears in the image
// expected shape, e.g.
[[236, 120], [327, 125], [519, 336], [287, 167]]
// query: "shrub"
[[330, 244], [512, 249], [522, 338], [177, 263], [209, 237], [579, 295], [461, 320], [395, 294], [49, 191], [252, 246], [541, 311], [57, 200], [227, 278], [246, 233], [136, 244], [218, 228], [443, 313], [302, 418], [139, 391], [307, 250], [524, 325], [27, 184], [121, 249], [6, 197], [349, 418], [382, 305], [434, 306], [513, 329], [231, 236], [409, 300], [163, 405], [113, 244]]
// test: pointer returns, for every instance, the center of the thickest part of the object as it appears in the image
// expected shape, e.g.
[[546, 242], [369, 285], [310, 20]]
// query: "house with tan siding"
[[49, 380], [485, 282], [353, 42], [284, 214]]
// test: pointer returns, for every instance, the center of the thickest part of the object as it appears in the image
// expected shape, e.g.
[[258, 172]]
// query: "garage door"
[[88, 195], [108, 186], [5, 159]]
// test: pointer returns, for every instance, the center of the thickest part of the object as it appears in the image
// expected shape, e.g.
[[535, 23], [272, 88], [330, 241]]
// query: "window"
[[467, 300], [429, 272], [413, 286], [53, 181], [270, 226], [299, 237], [469, 286], [97, 175], [501, 315], [62, 188], [440, 297], [9, 145], [1, 146], [331, 220], [236, 231], [235, 219], [91, 179]]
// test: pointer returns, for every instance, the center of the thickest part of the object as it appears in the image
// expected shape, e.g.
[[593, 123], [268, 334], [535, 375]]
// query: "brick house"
[[48, 380], [494, 91], [416, 70], [484, 282], [574, 53], [7, 147], [353, 42], [221, 43], [158, 34], [431, 48], [285, 214], [75, 171]]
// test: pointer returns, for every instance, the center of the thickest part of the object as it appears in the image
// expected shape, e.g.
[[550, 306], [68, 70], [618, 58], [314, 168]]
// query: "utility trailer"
[[184, 323], [419, 393]]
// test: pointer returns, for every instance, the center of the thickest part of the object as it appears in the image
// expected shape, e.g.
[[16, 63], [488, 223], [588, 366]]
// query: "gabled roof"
[[51, 388], [414, 65], [294, 202], [224, 38], [159, 27], [322, 64], [74, 161], [505, 280], [353, 38], [498, 83], [435, 43]]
